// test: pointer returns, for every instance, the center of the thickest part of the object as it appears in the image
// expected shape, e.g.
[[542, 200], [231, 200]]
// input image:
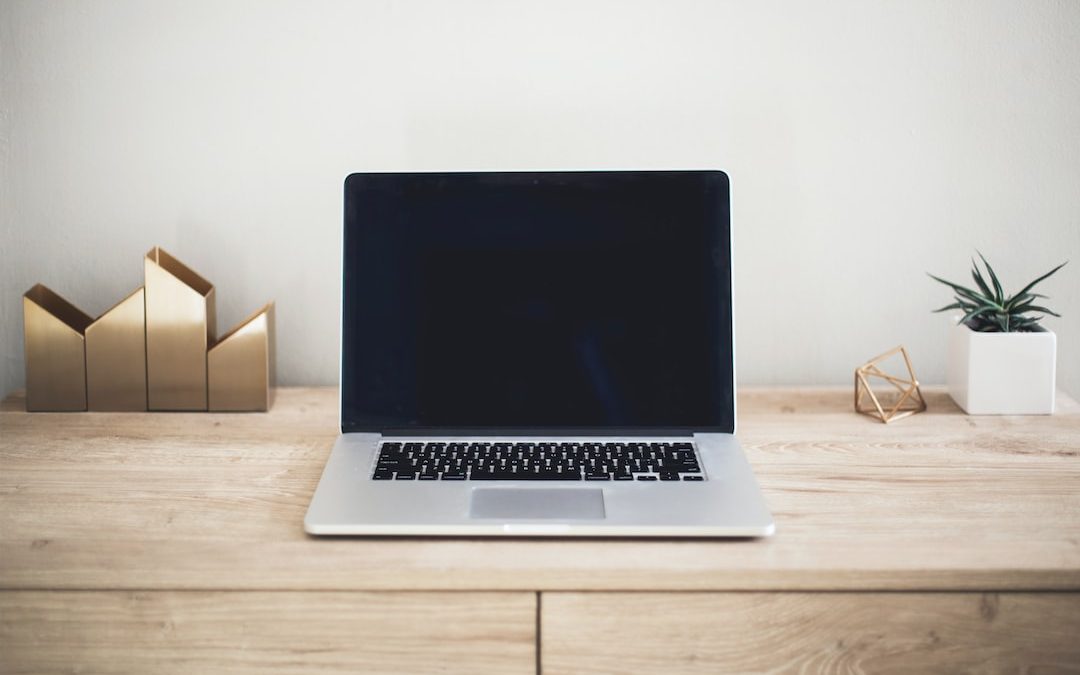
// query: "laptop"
[[537, 354]]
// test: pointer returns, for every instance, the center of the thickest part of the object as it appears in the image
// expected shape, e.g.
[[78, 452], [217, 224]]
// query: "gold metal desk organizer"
[[55, 334], [240, 366], [116, 356], [180, 318], [153, 350]]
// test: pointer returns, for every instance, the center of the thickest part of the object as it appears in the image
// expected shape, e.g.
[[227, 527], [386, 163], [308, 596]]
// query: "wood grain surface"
[[259, 632], [938, 501], [684, 633]]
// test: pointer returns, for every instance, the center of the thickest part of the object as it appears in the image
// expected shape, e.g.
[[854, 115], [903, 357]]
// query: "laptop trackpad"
[[561, 504]]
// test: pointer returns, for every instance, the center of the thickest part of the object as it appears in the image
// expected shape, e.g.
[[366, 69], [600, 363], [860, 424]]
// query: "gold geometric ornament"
[[894, 397]]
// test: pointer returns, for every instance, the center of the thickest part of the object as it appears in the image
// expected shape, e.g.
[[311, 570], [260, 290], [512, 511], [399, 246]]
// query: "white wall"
[[868, 142]]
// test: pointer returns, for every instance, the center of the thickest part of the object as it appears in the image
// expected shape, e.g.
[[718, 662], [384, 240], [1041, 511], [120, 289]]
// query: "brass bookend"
[[241, 365], [116, 357], [54, 331], [180, 326], [901, 396]]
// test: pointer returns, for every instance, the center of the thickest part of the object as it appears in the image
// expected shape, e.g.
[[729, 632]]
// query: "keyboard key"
[[551, 475], [693, 477], [646, 477]]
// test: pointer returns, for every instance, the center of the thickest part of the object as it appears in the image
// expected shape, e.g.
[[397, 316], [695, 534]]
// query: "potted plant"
[[1000, 360]]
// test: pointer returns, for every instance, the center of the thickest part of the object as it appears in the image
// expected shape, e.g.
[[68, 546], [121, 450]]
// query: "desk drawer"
[[266, 632], [711, 633]]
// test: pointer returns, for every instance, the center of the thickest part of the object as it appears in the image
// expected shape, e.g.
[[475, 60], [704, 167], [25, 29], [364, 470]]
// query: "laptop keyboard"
[[538, 461]]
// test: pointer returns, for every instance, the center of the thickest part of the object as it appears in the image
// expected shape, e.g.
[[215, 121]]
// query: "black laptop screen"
[[537, 301]]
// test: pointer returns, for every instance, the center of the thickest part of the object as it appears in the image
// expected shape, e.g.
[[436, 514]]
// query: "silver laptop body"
[[496, 381]]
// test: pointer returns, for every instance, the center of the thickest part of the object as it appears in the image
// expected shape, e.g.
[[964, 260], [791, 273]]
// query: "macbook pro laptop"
[[537, 353]]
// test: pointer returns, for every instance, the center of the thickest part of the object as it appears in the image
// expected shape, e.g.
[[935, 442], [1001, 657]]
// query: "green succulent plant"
[[988, 310]]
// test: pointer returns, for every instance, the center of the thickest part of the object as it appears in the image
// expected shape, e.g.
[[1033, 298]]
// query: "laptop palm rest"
[[532, 503]]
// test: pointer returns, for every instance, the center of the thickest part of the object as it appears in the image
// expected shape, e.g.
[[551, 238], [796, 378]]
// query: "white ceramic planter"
[[1002, 373]]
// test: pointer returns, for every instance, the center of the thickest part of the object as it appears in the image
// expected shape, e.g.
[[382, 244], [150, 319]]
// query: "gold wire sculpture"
[[901, 399]]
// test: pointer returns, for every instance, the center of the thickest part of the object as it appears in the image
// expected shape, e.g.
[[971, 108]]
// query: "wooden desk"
[[174, 543]]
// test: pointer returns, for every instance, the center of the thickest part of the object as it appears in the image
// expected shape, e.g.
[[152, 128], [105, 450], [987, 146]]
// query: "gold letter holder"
[[153, 350]]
